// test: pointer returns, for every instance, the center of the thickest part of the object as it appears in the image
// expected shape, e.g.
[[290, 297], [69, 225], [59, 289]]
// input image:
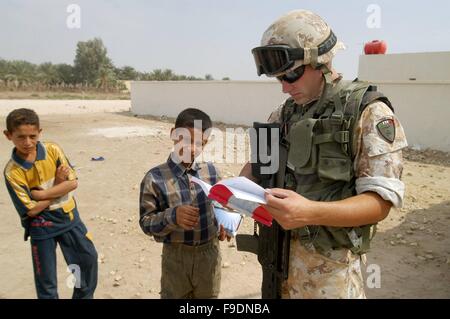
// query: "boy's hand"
[[62, 173], [37, 194], [223, 234], [187, 216]]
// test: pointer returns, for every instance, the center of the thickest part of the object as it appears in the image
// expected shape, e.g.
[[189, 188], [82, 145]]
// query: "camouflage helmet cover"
[[301, 29]]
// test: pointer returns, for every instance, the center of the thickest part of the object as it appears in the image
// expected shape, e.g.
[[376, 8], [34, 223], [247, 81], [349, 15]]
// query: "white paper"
[[229, 220], [244, 184], [247, 195], [243, 188], [205, 186]]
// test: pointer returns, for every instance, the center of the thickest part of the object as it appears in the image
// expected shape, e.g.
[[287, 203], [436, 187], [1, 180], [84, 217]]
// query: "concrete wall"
[[235, 102], [430, 67], [418, 85]]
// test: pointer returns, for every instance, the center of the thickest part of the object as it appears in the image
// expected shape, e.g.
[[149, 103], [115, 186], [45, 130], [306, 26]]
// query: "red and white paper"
[[240, 194]]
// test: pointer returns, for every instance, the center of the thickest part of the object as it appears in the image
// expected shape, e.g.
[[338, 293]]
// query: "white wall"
[[430, 67], [423, 104], [235, 102], [418, 85]]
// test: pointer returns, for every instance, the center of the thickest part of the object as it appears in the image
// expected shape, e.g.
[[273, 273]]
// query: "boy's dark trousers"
[[191, 271], [79, 253]]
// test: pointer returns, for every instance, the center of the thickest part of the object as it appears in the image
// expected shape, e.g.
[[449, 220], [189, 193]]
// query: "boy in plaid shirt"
[[180, 215]]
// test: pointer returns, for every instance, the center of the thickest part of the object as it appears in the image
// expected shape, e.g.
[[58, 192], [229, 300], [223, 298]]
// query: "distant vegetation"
[[92, 71]]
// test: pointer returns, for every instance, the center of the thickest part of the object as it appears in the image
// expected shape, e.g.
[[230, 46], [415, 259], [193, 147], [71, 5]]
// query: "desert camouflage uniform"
[[378, 168]]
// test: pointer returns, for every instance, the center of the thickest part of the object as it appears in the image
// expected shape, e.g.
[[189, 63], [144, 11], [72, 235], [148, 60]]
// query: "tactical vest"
[[320, 146]]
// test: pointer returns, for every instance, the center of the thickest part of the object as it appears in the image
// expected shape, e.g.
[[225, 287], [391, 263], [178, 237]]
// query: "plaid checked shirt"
[[166, 187]]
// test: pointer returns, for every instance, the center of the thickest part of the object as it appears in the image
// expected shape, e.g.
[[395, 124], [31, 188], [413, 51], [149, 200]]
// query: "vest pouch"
[[361, 238], [333, 163], [325, 238], [302, 154], [353, 238]]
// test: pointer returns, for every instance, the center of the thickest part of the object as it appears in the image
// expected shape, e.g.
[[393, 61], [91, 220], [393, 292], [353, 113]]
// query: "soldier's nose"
[[286, 87]]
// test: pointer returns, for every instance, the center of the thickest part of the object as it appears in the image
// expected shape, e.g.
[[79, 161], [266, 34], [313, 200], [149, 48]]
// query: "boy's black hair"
[[187, 117], [20, 117]]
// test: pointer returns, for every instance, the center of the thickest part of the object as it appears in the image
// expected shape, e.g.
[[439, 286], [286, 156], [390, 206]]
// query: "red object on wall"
[[375, 47]]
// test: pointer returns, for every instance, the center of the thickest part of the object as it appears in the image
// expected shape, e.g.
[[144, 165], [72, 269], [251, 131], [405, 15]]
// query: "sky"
[[198, 37]]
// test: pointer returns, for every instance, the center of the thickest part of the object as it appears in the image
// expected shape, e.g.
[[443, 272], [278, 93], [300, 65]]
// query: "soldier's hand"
[[187, 216], [288, 208]]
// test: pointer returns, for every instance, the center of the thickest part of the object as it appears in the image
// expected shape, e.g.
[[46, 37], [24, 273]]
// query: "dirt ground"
[[411, 248]]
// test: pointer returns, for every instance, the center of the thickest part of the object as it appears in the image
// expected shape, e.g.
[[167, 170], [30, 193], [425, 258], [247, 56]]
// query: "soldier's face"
[[306, 88]]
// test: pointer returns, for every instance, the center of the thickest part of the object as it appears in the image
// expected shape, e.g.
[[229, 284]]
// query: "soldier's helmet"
[[298, 38]]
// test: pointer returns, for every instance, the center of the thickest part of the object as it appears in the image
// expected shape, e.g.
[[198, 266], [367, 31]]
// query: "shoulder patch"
[[386, 128]]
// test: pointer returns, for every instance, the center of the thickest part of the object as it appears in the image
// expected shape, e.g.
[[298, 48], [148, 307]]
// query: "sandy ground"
[[412, 247]]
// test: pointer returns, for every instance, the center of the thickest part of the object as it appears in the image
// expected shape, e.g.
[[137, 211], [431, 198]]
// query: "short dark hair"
[[20, 117], [187, 117]]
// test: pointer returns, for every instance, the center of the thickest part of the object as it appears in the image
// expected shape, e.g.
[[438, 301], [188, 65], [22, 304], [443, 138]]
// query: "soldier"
[[343, 166]]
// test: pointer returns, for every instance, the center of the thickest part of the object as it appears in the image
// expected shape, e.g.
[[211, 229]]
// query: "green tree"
[[156, 75], [21, 72], [162, 75], [127, 73], [91, 61], [66, 73], [209, 77], [4, 67], [106, 79], [168, 75], [47, 74]]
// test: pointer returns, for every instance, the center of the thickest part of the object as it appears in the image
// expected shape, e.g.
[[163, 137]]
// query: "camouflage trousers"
[[334, 275]]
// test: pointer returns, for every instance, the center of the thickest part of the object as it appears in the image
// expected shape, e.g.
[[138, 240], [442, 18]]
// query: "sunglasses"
[[292, 76]]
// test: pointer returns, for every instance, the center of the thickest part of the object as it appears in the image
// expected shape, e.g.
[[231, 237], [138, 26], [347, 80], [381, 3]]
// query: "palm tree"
[[66, 73], [21, 72], [168, 75], [47, 74], [156, 75], [106, 79]]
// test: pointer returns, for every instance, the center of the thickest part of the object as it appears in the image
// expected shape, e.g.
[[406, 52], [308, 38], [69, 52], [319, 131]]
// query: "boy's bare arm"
[[60, 187], [40, 206], [54, 192]]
